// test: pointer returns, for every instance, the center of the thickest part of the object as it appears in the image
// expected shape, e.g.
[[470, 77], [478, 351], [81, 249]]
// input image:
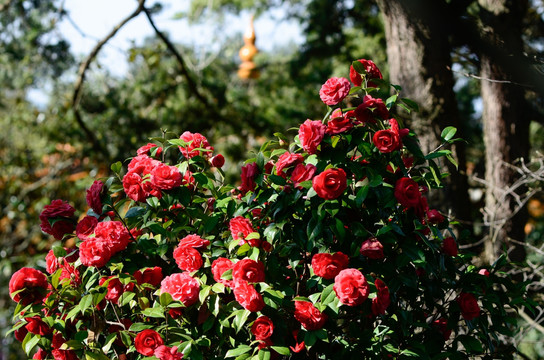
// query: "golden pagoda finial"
[[248, 69]]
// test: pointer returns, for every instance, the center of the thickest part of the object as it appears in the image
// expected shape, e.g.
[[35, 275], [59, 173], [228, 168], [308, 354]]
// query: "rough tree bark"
[[506, 129], [419, 59]]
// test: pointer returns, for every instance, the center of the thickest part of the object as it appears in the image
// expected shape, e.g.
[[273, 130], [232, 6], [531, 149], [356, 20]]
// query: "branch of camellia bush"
[[326, 249]]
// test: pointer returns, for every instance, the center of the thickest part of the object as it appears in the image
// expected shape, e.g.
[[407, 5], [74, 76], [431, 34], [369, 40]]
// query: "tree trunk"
[[506, 131], [419, 60]]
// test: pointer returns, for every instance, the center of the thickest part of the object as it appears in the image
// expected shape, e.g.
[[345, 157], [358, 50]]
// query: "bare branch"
[[76, 97], [182, 64]]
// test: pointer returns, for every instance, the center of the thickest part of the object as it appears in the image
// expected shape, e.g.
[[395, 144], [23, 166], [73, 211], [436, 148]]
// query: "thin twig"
[[76, 97], [470, 75], [182, 64]]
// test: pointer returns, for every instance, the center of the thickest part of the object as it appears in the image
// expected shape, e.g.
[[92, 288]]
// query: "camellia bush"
[[326, 250]]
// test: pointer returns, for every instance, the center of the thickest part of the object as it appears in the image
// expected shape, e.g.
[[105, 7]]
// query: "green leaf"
[[59, 251], [278, 180], [282, 350], [390, 101], [137, 327], [471, 344], [240, 318], [448, 133], [154, 312], [116, 167], [411, 104], [29, 342], [135, 211], [438, 154], [328, 295], [86, 302], [242, 349], [95, 356], [264, 354], [359, 67]]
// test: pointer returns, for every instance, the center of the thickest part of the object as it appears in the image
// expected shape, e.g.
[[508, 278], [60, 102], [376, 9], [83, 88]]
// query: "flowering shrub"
[[327, 249]]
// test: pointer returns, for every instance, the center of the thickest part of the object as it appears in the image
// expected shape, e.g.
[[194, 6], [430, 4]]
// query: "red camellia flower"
[[115, 288], [218, 161], [164, 352], [434, 216], [194, 241], [370, 109], [310, 134], [407, 192], [94, 196], [149, 149], [387, 141], [330, 184], [249, 172], [309, 316], [182, 287], [36, 326], [114, 234], [248, 270], [219, 266], [94, 252], [449, 246], [334, 90], [195, 141], [372, 72], [287, 160], [351, 287], [85, 227], [262, 328], [302, 173], [442, 326], [299, 346], [33, 284], [240, 228], [152, 276], [247, 296], [136, 182], [133, 187], [51, 262], [60, 213], [165, 177], [59, 354], [41, 354], [469, 306], [329, 265], [188, 258], [20, 333], [338, 123], [147, 341], [372, 248], [382, 300]]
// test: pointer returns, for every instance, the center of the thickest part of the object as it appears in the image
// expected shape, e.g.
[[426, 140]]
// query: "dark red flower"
[[57, 219]]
